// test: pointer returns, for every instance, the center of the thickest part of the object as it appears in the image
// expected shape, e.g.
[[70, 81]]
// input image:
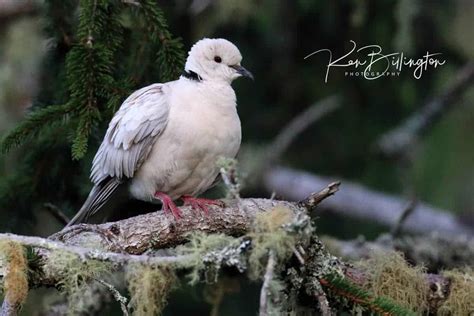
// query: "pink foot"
[[168, 204], [200, 203]]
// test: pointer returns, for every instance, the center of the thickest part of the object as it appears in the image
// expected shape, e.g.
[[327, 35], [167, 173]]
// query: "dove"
[[163, 143]]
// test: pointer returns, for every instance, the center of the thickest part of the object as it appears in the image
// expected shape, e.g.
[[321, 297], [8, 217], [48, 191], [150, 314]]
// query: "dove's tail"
[[97, 198]]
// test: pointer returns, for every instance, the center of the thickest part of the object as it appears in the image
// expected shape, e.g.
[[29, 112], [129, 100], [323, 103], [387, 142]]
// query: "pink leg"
[[200, 203], [168, 204]]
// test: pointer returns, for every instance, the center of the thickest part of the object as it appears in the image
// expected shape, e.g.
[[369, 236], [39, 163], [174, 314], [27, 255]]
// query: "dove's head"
[[216, 60]]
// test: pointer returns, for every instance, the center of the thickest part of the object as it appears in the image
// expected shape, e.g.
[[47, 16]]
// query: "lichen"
[[214, 294], [460, 299], [390, 276], [16, 277], [230, 173], [268, 233], [197, 248], [74, 274], [149, 287]]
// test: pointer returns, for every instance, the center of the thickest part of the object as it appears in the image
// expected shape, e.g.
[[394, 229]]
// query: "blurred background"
[[273, 37]]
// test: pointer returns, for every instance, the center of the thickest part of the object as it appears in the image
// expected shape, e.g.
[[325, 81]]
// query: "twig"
[[315, 198], [132, 2], [91, 253], [265, 293], [8, 309], [397, 141], [232, 186], [9, 10], [409, 208], [122, 300], [57, 213], [322, 300], [298, 255], [297, 125]]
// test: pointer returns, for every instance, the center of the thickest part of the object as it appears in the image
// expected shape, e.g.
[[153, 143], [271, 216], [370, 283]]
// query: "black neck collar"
[[191, 75]]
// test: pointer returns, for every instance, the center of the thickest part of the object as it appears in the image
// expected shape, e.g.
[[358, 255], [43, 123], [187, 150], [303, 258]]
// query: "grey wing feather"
[[131, 134], [98, 196], [129, 139]]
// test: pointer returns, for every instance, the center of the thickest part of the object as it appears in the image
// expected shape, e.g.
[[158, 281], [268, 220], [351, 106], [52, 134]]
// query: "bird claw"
[[168, 205], [201, 204]]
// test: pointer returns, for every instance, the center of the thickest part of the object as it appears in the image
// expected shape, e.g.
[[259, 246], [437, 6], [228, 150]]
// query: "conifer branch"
[[170, 56], [380, 305], [33, 124]]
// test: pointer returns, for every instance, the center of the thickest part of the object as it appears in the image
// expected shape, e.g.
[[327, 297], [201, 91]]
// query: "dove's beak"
[[242, 71]]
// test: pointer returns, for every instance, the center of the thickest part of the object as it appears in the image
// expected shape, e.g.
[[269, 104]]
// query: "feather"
[[136, 125]]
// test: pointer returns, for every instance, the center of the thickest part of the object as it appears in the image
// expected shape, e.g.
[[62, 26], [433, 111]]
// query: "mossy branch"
[[123, 244]]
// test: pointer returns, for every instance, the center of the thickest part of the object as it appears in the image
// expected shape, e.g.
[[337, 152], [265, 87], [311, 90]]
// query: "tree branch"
[[397, 141], [297, 125], [117, 296], [358, 201], [159, 230], [265, 293], [435, 251], [8, 309], [130, 238]]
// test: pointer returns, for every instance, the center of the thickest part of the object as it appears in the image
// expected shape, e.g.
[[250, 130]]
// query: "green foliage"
[[35, 263], [90, 66], [87, 73], [36, 120], [342, 287], [170, 57]]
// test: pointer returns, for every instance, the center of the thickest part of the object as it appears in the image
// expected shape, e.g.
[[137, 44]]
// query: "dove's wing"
[[130, 136]]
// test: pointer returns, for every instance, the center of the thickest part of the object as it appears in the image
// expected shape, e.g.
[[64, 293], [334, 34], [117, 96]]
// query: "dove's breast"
[[203, 125]]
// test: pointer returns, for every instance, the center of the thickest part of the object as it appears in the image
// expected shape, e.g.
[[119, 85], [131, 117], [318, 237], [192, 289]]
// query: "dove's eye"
[[217, 59]]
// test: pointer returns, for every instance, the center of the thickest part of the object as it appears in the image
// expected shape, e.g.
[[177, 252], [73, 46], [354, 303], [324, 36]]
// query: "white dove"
[[163, 142]]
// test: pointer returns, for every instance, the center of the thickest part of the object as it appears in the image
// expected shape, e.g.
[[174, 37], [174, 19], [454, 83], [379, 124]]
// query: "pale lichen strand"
[[74, 275], [390, 276], [149, 287], [16, 272], [198, 247], [275, 230], [460, 300]]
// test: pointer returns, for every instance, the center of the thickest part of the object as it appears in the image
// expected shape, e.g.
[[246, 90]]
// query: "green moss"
[[460, 299], [390, 276], [149, 288]]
